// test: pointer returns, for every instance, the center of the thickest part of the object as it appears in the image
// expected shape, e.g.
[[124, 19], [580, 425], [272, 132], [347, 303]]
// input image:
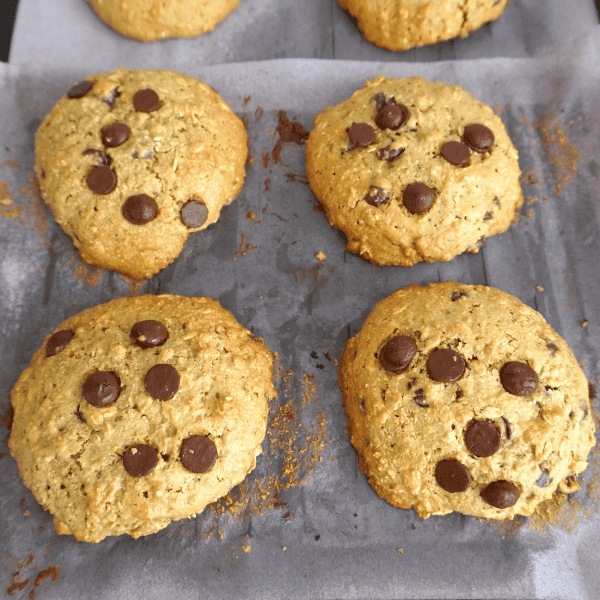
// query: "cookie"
[[461, 398], [403, 24], [138, 412], [411, 170], [131, 162], [151, 20]]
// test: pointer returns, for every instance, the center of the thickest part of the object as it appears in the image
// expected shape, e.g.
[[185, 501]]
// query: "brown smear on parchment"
[[52, 572], [244, 247], [289, 132]]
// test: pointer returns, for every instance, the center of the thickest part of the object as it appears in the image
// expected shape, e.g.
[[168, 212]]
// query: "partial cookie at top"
[[138, 412], [461, 398], [412, 170], [152, 20], [131, 162], [404, 24]]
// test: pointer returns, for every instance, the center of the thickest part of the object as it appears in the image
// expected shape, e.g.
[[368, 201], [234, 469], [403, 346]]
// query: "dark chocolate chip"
[[552, 348], [101, 180], [456, 153], [139, 460], [544, 479], [115, 134], [459, 394], [418, 198], [456, 295], [162, 381], [101, 388], [487, 216], [140, 209], [146, 100], [507, 427], [445, 365], [194, 213], [148, 334], [389, 154], [79, 90], [391, 116], [377, 196], [396, 353], [419, 398], [482, 438], [500, 494], [379, 100], [452, 476], [361, 135], [518, 378], [58, 341], [198, 453], [478, 137], [102, 157], [110, 99]]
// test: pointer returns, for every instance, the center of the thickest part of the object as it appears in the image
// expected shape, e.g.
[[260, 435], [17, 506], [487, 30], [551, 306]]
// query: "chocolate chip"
[[361, 135], [445, 365], [79, 90], [194, 213], [58, 341], [148, 334], [379, 100], [500, 494], [162, 381], [139, 460], [518, 378], [115, 134], [419, 398], [418, 198], [101, 180], [377, 196], [544, 479], [487, 216], [507, 427], [482, 438], [101, 388], [140, 209], [456, 153], [552, 348], [198, 453], [146, 100], [102, 158], [478, 137], [389, 154], [110, 99], [452, 476], [456, 295], [391, 116], [396, 353], [79, 415]]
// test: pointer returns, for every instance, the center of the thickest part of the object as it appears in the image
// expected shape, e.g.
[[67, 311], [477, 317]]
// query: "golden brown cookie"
[[139, 412], [412, 170], [131, 162], [404, 24], [461, 398], [151, 20]]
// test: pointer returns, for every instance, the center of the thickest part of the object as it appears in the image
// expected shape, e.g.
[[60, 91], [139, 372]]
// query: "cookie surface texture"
[[411, 170], [404, 24], [461, 398], [131, 162], [152, 20], [139, 412]]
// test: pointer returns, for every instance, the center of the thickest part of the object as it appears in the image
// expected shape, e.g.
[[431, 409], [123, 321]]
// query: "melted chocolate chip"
[[452, 476], [101, 180], [418, 198], [146, 100], [518, 378], [445, 365], [379, 100], [544, 479], [478, 137], [419, 398], [102, 157], [194, 213], [140, 209], [79, 90], [162, 381], [507, 427], [552, 348], [500, 494], [377, 196], [58, 341], [110, 99], [115, 134], [148, 334], [389, 154], [396, 353], [101, 388], [456, 153], [391, 116], [361, 135], [79, 415], [487, 216], [482, 438], [456, 295], [198, 453], [139, 460]]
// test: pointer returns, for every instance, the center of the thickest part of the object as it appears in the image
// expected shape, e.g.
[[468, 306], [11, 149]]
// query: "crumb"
[[321, 255], [401, 550], [247, 549], [584, 323], [26, 513], [539, 288], [284, 549]]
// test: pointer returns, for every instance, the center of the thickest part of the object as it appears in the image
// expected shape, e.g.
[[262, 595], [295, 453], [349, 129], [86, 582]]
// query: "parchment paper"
[[324, 534]]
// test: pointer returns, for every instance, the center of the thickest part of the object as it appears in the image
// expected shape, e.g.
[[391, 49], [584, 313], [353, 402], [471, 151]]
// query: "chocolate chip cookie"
[[461, 398], [411, 170], [404, 24], [132, 162], [139, 412], [151, 20]]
